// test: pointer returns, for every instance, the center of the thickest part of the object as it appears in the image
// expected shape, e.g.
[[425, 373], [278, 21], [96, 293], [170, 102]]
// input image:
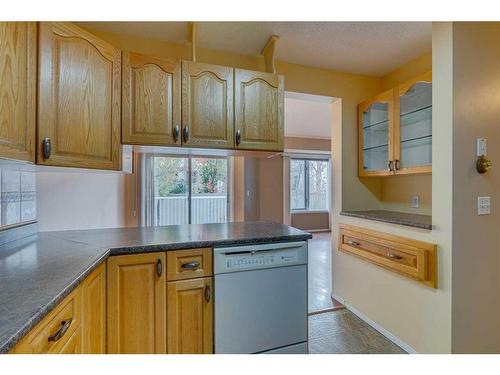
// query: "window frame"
[[150, 221], [307, 209]]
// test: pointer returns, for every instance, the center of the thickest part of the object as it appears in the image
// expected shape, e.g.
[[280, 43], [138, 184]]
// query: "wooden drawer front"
[[408, 257], [189, 264], [37, 341]]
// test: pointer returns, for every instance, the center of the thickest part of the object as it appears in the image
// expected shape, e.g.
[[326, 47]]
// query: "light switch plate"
[[483, 205], [481, 147], [415, 201]]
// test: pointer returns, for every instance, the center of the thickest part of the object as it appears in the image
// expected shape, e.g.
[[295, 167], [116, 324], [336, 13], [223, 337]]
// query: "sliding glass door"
[[186, 190]]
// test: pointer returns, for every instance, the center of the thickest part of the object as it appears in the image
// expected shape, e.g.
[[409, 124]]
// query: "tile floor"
[[320, 272], [339, 331], [342, 332]]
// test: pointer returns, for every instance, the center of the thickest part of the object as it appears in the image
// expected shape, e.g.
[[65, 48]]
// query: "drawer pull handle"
[[61, 331], [394, 256], [207, 294], [159, 268], [353, 243], [191, 265]]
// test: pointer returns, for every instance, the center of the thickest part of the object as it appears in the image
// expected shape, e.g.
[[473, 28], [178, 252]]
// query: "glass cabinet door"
[[375, 150], [413, 148]]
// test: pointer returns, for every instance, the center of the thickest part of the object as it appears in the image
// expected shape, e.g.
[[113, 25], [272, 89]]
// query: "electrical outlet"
[[415, 201], [483, 205]]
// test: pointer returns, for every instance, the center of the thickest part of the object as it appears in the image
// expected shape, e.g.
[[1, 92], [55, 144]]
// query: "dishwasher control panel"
[[242, 258]]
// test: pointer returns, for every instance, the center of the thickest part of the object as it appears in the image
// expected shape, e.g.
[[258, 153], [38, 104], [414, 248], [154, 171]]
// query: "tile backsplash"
[[18, 197]]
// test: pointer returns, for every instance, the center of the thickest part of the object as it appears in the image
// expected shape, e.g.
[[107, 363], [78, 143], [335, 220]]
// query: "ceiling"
[[308, 116], [370, 48]]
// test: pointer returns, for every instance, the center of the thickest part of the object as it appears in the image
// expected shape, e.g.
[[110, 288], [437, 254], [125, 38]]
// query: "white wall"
[[80, 200]]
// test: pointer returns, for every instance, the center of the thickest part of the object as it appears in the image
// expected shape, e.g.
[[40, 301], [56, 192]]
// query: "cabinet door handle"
[[389, 166], [185, 133], [176, 133], [46, 147], [191, 265], [61, 331], [353, 243], [207, 293], [394, 256], [238, 137], [159, 268], [396, 165]]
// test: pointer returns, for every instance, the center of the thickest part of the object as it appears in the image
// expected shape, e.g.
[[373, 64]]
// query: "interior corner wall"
[[397, 192], [251, 192], [387, 299], [476, 239], [271, 189], [82, 199]]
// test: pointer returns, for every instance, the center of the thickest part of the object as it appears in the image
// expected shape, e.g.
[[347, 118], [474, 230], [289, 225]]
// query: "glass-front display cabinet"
[[376, 123], [395, 130], [413, 126]]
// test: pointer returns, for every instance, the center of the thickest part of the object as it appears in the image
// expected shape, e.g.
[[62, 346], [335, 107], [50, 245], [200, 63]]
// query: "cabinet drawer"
[[189, 264], [408, 257], [44, 339]]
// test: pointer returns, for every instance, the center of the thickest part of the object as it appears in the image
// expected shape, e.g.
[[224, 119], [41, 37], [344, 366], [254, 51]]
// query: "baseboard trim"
[[316, 230], [396, 340]]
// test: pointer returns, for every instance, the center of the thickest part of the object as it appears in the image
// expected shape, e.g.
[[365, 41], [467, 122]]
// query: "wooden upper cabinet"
[[375, 135], [190, 316], [259, 110], [151, 100], [79, 98], [137, 304], [413, 126], [18, 90], [207, 105]]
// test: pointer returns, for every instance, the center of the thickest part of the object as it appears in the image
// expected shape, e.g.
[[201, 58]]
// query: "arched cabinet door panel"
[[375, 135], [259, 99], [207, 105], [18, 90], [151, 100], [79, 99]]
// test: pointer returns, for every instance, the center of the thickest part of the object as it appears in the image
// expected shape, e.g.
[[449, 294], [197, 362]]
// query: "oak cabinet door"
[[94, 312], [74, 344], [259, 101], [136, 304], [79, 98], [190, 316], [376, 135], [151, 100], [18, 90], [207, 105]]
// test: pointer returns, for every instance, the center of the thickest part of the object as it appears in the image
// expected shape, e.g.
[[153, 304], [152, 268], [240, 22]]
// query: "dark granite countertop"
[[38, 271], [401, 218]]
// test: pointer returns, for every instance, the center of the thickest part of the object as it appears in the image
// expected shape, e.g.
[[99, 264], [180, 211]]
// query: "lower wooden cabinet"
[[94, 312], [136, 287], [190, 316], [76, 325]]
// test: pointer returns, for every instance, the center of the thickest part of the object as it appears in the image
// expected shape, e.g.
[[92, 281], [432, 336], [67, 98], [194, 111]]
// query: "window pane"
[[318, 185], [297, 184], [171, 204], [208, 190]]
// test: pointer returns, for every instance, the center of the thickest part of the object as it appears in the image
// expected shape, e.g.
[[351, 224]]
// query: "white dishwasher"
[[261, 298]]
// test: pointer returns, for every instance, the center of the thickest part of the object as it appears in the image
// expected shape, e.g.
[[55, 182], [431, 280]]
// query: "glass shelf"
[[384, 124], [416, 138], [375, 147]]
